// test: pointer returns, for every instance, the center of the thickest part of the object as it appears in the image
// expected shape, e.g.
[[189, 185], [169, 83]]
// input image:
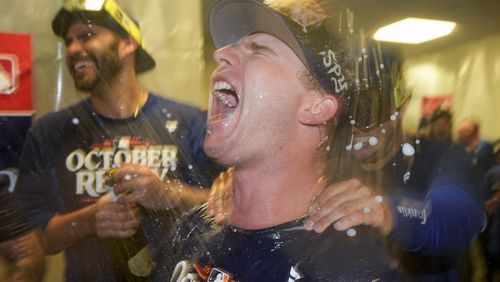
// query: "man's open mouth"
[[225, 99], [80, 65]]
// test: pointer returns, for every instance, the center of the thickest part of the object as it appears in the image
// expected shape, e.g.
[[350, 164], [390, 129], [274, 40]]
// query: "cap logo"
[[334, 73]]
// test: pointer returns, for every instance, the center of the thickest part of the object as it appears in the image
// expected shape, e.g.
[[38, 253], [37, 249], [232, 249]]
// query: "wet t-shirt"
[[284, 252]]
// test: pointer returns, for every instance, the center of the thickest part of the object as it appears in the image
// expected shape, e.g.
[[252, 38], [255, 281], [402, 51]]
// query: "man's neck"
[[267, 196], [119, 98]]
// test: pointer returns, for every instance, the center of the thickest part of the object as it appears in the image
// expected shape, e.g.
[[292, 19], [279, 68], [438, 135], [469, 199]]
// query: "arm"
[[26, 255], [19, 242], [138, 185], [450, 219], [105, 218], [443, 222]]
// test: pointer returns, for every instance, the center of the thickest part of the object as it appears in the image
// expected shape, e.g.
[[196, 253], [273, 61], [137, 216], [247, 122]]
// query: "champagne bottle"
[[131, 257]]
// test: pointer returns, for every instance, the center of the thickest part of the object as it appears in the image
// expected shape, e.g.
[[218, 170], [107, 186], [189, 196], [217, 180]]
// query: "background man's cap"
[[106, 13], [316, 32]]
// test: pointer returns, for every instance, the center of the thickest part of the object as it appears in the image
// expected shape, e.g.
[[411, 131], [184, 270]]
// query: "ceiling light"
[[414, 30]]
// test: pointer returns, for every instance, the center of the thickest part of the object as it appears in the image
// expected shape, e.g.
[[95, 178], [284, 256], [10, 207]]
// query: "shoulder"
[[54, 122]]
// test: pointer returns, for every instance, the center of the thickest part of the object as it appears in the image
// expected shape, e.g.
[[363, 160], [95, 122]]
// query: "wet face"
[[92, 55], [255, 97]]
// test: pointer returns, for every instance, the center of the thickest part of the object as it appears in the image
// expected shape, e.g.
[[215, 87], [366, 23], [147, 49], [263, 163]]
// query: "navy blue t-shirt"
[[67, 153], [279, 253]]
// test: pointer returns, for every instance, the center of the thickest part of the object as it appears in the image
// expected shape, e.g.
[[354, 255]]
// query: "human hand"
[[136, 184], [115, 220], [347, 204], [219, 199]]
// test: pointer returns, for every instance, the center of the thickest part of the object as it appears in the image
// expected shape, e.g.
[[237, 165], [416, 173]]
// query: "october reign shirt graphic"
[[91, 166]]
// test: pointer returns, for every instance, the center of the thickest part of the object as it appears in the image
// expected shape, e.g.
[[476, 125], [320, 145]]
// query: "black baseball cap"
[[316, 32], [106, 13]]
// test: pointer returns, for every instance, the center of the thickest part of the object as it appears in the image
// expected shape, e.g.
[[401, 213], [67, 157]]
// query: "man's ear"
[[129, 46], [318, 110]]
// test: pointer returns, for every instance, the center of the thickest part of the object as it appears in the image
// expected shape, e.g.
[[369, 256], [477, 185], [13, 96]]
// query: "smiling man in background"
[[145, 148]]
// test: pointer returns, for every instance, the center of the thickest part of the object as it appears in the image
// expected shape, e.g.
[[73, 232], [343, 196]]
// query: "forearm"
[[65, 230], [181, 196], [444, 223], [26, 254]]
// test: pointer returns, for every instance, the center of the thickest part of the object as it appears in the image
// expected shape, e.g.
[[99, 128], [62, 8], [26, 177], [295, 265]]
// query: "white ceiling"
[[474, 18]]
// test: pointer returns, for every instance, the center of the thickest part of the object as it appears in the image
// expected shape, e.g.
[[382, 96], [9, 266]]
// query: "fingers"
[[137, 184], [115, 220], [348, 204], [327, 209]]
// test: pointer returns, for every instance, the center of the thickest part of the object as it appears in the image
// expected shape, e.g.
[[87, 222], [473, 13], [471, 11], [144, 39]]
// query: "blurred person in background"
[[481, 151], [20, 242], [440, 125], [492, 205], [121, 164]]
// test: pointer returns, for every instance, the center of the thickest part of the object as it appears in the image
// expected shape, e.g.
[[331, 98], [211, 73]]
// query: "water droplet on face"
[[373, 141], [378, 199], [127, 177], [75, 121], [393, 117], [358, 146], [408, 150], [351, 232]]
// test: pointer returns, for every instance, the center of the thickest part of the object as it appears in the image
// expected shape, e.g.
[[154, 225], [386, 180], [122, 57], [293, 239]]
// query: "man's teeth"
[[222, 85], [218, 88], [222, 98], [81, 64]]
